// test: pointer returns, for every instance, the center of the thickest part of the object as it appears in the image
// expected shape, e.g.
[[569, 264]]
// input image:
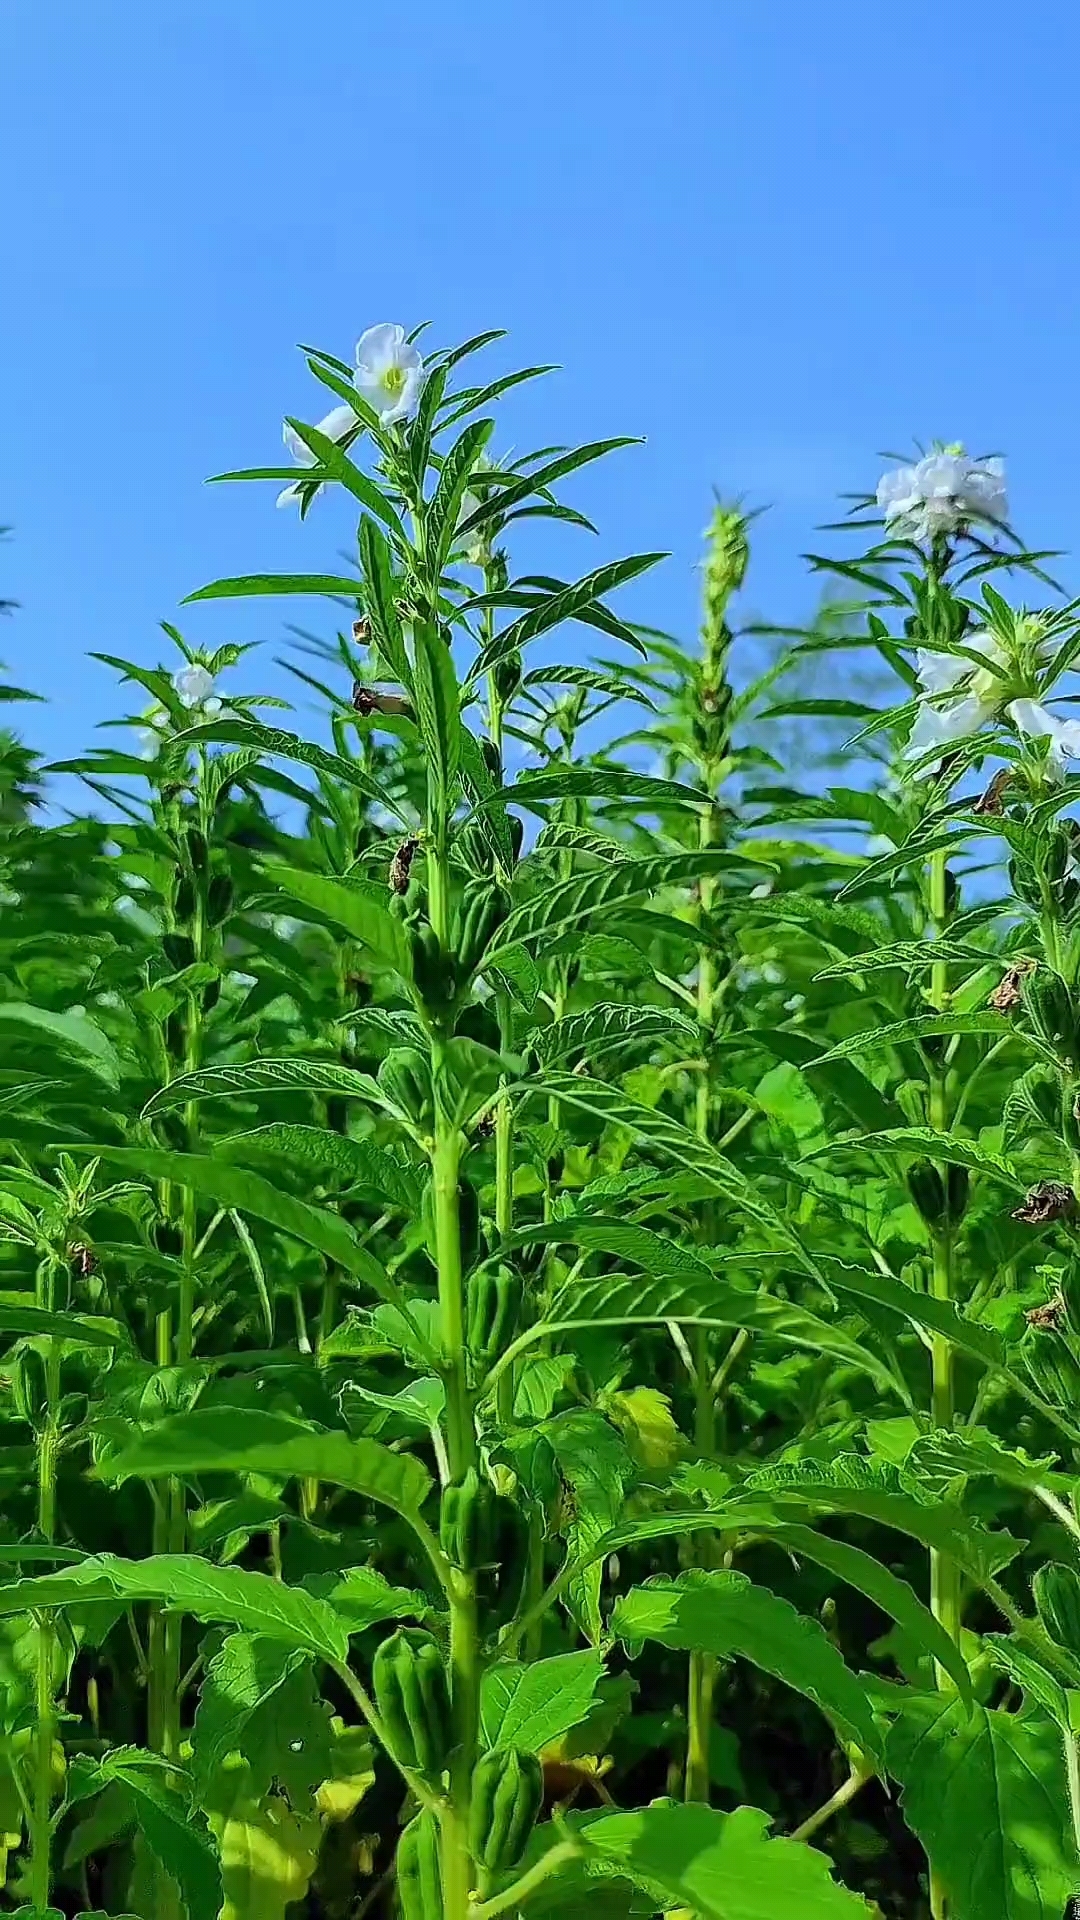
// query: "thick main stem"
[[44, 1705], [461, 1446], [702, 1678]]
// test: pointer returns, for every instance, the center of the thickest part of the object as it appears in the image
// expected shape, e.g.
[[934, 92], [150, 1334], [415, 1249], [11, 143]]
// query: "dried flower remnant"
[[992, 800], [1047, 1202], [1050, 1316], [401, 866], [1009, 992], [368, 700]]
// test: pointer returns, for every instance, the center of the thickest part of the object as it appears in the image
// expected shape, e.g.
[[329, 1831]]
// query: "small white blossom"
[[1038, 723], [389, 372], [335, 425], [194, 687], [941, 493], [942, 720]]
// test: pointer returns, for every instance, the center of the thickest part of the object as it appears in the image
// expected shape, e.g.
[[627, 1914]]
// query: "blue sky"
[[771, 238]]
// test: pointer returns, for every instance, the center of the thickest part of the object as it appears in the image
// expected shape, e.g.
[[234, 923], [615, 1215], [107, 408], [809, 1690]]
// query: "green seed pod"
[[957, 1187], [28, 1385], [465, 1521], [506, 674], [433, 969], [1049, 1005], [416, 1869], [405, 1076], [413, 1699], [507, 1795], [185, 897], [492, 1305], [196, 849], [1057, 1599], [927, 1190], [517, 834], [179, 951], [484, 906], [219, 899]]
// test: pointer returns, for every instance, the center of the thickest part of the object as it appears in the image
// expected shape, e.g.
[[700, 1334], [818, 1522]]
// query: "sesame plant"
[[540, 1307]]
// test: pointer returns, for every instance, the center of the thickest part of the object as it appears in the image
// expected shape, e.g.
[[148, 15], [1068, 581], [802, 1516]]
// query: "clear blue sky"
[[771, 237]]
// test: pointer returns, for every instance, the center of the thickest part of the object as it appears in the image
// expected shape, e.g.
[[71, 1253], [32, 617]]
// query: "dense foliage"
[[541, 1308]]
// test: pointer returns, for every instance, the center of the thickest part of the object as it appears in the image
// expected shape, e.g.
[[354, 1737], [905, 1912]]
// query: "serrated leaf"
[[721, 1866], [438, 709], [244, 1440], [233, 1186], [923, 1026], [357, 909], [180, 1583], [985, 1793], [530, 1706], [724, 1614], [361, 1163]]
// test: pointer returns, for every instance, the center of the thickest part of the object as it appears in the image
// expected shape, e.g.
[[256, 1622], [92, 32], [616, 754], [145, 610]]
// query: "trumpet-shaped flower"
[[941, 493], [389, 372], [956, 697], [1035, 720], [335, 425], [194, 687]]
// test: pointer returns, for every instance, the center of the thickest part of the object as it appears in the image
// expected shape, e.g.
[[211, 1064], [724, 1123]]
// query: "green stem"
[[44, 1705], [514, 1897], [1072, 1775], [462, 1454]]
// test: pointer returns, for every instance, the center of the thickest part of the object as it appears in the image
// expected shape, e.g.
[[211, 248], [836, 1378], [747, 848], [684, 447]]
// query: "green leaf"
[[531, 1706], [232, 1186], [454, 475], [924, 1026], [503, 498], [84, 1330], [334, 464], [174, 1832], [248, 585], [851, 1484], [244, 1440], [595, 783], [929, 1143], [911, 956], [276, 743], [847, 1085], [73, 1033], [726, 1614], [564, 604], [246, 1672], [611, 1027], [438, 708], [617, 1300], [382, 601], [363, 1165], [357, 909], [571, 901], [249, 1079], [722, 1866], [181, 1583], [985, 1793]]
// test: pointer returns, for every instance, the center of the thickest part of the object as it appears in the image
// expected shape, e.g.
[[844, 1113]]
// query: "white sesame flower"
[[956, 697], [336, 424], [942, 493], [389, 372], [194, 686], [1038, 723]]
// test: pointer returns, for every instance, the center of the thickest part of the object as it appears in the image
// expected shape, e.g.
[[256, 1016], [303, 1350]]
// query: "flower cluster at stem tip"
[[942, 493], [194, 688], [936, 499]]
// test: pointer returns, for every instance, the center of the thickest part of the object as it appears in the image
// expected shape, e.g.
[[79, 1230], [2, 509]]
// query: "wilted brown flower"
[[1049, 1317], [1008, 993], [401, 864], [82, 1258], [1050, 1200], [366, 700], [361, 631], [992, 801]]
